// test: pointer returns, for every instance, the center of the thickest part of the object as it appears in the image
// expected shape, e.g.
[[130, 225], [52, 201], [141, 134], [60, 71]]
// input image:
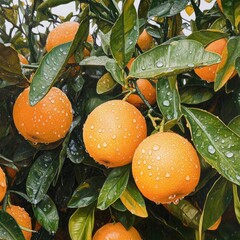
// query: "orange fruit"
[[219, 2], [145, 41], [11, 172], [129, 64], [46, 122], [3, 184], [208, 73], [215, 225], [116, 231], [148, 91], [22, 59], [63, 33], [22, 218], [112, 132], [165, 167]]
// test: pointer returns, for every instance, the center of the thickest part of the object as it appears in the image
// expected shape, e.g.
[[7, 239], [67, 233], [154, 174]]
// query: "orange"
[[129, 64], [112, 132], [22, 218], [11, 172], [208, 73], [46, 122], [116, 231], [3, 184], [63, 33], [147, 90], [219, 2], [145, 41], [22, 59], [165, 167], [215, 225]]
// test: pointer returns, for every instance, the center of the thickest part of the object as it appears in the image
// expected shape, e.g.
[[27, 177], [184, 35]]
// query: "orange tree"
[[181, 184]]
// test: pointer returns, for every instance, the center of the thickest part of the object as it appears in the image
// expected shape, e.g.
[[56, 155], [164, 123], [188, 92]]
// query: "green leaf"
[[207, 36], [124, 34], [116, 72], [186, 212], [10, 68], [81, 223], [95, 61], [86, 193], [9, 229], [171, 59], [41, 176], [113, 187], [105, 84], [234, 125], [166, 8], [134, 201], [196, 94], [46, 214], [168, 99], [217, 200], [236, 202], [51, 66], [227, 67], [216, 142], [52, 3]]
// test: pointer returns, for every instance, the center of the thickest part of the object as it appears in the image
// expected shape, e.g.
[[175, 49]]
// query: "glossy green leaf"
[[7, 162], [95, 61], [118, 205], [171, 59], [86, 193], [46, 214], [81, 223], [236, 202], [168, 99], [116, 71], [226, 68], [217, 200], [9, 229], [207, 36], [219, 24], [166, 8], [51, 66], [113, 187], [126, 218], [10, 68], [105, 84], [134, 201], [124, 34], [216, 142], [196, 94], [41, 176], [234, 125], [186, 212]]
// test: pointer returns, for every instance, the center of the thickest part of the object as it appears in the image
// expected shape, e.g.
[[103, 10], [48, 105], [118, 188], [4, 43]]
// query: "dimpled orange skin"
[[112, 132], [46, 122], [145, 41], [22, 218], [165, 167], [22, 59], [3, 184], [63, 33], [208, 73], [148, 91], [116, 231]]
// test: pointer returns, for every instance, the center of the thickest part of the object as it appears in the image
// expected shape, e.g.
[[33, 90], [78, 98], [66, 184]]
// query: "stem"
[[153, 120], [127, 95]]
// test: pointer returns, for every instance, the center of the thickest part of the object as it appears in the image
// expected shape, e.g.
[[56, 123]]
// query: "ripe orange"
[[165, 167], [145, 41], [112, 132], [3, 184], [46, 122], [116, 231], [219, 2], [22, 218], [148, 91], [208, 73], [63, 33], [129, 64], [22, 59], [215, 225]]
